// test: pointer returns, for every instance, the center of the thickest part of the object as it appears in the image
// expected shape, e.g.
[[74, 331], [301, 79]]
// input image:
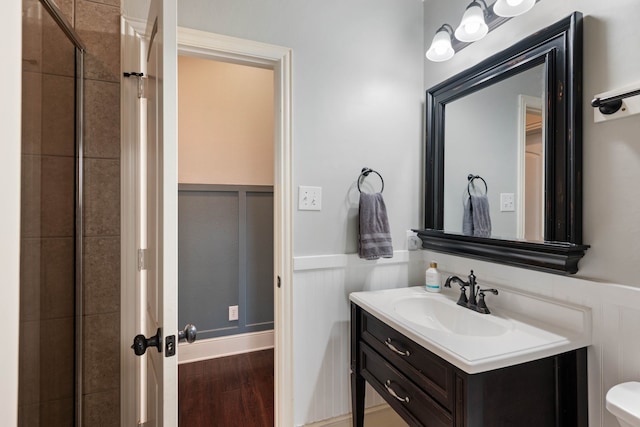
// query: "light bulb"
[[511, 8], [472, 27], [441, 49]]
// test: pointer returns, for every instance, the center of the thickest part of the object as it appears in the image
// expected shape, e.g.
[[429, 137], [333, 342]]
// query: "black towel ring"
[[365, 173], [470, 178]]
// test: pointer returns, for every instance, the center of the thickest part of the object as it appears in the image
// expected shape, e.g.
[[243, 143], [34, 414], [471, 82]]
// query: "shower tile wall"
[[98, 24]]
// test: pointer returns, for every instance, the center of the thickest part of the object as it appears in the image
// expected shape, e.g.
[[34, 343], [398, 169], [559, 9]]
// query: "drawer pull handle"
[[394, 394], [395, 350]]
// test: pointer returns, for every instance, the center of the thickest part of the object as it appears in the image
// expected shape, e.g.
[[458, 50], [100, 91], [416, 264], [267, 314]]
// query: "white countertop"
[[477, 342]]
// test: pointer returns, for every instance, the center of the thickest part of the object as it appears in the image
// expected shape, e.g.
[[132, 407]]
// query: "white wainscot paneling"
[[321, 312]]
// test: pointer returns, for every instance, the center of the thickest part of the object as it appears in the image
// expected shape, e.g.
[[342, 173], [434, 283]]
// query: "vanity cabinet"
[[426, 390]]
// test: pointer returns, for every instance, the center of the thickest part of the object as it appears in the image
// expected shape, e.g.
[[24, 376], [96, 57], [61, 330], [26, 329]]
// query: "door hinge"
[[279, 282], [142, 259], [142, 424]]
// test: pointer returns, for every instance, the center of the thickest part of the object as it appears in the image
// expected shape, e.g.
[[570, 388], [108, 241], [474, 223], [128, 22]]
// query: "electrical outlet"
[[413, 241], [309, 198], [233, 312], [507, 202]]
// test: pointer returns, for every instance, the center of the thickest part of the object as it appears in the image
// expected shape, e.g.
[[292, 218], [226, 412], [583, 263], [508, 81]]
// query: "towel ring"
[[365, 173], [470, 178]]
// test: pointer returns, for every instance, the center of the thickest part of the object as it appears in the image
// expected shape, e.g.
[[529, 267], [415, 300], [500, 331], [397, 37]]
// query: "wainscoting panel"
[[321, 331], [225, 258], [322, 319]]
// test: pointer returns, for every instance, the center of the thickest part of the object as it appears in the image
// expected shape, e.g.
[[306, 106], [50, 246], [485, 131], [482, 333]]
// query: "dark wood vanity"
[[426, 390]]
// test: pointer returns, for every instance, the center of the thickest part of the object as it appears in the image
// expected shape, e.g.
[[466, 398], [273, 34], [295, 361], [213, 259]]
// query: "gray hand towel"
[[375, 239], [476, 220]]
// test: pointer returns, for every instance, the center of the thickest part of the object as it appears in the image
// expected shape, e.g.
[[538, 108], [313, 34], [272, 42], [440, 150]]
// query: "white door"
[[158, 222]]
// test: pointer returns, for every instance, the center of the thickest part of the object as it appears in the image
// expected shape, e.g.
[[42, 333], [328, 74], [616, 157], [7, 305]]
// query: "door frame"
[[10, 165], [228, 49]]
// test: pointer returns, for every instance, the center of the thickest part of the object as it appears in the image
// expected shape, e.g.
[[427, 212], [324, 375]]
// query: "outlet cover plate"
[[233, 313]]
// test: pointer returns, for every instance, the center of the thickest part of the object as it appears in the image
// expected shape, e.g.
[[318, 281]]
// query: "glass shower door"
[[48, 362]]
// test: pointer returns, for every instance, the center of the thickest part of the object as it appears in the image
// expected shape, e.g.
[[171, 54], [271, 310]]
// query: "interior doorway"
[[226, 49], [225, 233]]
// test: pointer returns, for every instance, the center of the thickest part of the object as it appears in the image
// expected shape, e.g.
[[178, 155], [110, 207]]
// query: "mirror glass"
[[497, 135]]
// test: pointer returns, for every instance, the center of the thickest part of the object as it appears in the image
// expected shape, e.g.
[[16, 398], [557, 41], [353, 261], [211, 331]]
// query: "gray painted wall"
[[357, 100]]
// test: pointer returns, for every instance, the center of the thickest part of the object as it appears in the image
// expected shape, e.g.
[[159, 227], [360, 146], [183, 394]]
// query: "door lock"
[[141, 343]]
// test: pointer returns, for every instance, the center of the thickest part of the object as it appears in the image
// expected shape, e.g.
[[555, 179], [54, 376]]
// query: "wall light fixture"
[[441, 49], [473, 26], [478, 20]]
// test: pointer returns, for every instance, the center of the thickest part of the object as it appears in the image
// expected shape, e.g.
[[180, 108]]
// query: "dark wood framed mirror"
[[537, 222]]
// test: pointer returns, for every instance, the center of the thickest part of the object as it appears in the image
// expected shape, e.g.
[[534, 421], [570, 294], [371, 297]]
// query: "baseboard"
[[376, 416], [224, 346]]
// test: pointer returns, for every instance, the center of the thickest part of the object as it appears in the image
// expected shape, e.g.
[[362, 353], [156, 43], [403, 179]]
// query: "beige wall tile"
[[101, 119], [102, 409], [29, 369], [32, 35], [101, 336], [58, 413], [58, 196], [31, 196], [99, 27], [30, 279], [58, 52], [101, 275], [57, 359], [58, 115], [31, 112], [67, 8], [102, 197], [57, 295]]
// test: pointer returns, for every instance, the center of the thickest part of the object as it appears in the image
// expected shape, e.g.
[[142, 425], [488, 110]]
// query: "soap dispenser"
[[432, 278]]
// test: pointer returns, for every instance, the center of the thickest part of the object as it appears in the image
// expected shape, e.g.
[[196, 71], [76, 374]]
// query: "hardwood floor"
[[227, 392]]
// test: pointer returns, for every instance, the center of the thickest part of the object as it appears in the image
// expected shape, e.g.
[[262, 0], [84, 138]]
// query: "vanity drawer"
[[416, 407], [431, 373]]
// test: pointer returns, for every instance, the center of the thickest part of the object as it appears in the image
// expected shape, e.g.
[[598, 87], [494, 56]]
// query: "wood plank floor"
[[227, 392]]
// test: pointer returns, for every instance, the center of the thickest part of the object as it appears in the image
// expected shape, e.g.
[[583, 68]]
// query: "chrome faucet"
[[475, 301]]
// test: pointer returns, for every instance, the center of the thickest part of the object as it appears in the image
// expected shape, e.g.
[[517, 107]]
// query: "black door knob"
[[141, 343]]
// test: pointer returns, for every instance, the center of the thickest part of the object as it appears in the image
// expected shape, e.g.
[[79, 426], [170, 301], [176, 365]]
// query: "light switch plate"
[[309, 198], [507, 202]]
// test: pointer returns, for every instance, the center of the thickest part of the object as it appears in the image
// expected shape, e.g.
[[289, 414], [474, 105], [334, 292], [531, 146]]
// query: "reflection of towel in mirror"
[[476, 220], [375, 239]]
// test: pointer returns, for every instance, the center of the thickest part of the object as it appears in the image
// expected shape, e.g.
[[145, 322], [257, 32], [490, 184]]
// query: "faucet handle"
[[462, 300], [482, 305]]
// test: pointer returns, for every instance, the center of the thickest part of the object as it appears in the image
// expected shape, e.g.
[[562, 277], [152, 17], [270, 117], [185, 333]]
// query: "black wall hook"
[[365, 173], [472, 177]]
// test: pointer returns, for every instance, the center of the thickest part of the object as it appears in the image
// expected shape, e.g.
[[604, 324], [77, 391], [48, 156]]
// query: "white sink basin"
[[477, 342], [443, 314]]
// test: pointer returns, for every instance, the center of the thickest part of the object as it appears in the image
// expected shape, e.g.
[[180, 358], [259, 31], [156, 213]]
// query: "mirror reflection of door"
[[531, 212]]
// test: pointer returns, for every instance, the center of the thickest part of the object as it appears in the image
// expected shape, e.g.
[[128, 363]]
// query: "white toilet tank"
[[623, 401]]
